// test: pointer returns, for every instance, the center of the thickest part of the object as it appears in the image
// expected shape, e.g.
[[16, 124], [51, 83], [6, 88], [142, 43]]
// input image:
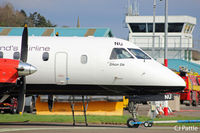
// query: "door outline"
[[65, 81]]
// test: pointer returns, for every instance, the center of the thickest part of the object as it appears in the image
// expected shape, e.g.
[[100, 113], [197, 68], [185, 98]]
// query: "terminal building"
[[181, 51], [180, 40]]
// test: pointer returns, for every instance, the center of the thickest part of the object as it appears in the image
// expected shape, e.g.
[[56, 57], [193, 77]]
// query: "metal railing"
[[174, 42]]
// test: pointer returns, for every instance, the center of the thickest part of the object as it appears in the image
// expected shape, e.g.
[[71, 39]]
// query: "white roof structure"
[[180, 41], [161, 19]]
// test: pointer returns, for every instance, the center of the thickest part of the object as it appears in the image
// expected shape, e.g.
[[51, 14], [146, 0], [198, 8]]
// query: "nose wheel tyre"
[[130, 121]]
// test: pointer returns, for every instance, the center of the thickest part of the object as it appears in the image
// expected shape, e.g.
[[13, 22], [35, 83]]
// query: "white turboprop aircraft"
[[91, 66], [81, 66]]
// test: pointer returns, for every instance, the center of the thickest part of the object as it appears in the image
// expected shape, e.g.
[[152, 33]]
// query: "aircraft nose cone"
[[25, 69], [177, 81], [163, 76], [180, 81], [170, 78]]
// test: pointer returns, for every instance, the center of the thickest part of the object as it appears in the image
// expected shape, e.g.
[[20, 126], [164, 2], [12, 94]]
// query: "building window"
[[1, 54], [45, 56], [150, 27], [175, 27], [84, 59], [160, 27], [138, 27], [192, 26], [16, 55]]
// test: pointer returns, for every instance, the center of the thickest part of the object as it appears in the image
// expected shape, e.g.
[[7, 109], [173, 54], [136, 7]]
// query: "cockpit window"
[[120, 53], [139, 53]]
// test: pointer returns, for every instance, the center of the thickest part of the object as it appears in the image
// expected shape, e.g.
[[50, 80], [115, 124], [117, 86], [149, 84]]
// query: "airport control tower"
[[180, 40]]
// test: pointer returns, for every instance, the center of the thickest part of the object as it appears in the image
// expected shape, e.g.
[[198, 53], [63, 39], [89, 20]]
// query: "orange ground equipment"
[[94, 107]]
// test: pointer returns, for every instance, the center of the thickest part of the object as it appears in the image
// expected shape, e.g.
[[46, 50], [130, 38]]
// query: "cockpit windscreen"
[[139, 54], [120, 53]]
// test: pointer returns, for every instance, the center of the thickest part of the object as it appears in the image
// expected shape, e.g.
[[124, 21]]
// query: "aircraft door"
[[61, 68]]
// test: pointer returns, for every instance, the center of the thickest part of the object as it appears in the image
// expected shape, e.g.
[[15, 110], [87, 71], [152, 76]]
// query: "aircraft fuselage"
[[91, 66]]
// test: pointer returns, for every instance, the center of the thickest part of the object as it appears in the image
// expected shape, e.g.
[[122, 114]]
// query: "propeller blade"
[[23, 70], [22, 95], [24, 45]]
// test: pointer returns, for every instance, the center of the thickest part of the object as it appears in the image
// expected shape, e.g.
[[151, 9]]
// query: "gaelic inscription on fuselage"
[[116, 64]]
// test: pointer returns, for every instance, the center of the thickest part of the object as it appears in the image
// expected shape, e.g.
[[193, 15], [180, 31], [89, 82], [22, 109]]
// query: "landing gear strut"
[[132, 108]]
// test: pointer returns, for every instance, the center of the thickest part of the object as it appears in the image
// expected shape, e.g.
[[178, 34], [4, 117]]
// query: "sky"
[[104, 13]]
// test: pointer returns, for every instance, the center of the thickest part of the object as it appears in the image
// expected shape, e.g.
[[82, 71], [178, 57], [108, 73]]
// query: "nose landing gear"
[[132, 108]]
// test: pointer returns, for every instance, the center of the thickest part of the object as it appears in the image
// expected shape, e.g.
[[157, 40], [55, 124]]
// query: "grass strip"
[[91, 119]]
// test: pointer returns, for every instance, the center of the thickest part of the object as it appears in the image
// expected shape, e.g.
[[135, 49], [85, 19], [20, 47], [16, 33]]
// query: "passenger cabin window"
[[139, 54], [16, 55], [120, 53], [45, 56], [84, 59], [1, 54]]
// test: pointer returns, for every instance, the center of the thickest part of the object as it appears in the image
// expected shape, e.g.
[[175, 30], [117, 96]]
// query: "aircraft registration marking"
[[118, 43]]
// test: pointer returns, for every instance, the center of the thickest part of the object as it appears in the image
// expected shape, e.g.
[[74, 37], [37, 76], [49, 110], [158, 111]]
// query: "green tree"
[[23, 12], [39, 21], [10, 17]]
